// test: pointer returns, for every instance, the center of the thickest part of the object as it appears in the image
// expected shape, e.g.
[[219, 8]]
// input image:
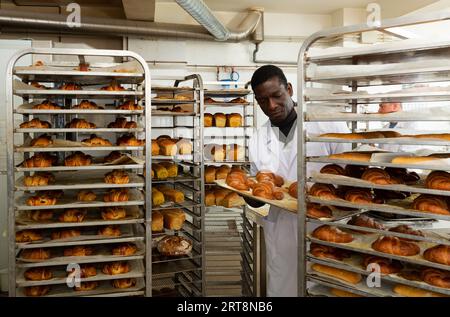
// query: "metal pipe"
[[260, 61]]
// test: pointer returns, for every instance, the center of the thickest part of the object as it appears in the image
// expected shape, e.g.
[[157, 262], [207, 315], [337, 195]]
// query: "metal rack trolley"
[[399, 53], [139, 203]]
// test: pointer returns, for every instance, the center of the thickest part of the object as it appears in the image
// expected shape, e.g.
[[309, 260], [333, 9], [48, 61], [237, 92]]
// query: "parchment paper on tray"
[[128, 67]]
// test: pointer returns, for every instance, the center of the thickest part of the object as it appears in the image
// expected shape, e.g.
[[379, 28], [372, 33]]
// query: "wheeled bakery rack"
[[398, 54], [132, 72], [230, 253], [182, 275]]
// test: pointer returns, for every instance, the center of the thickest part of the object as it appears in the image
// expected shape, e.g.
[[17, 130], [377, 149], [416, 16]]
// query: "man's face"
[[274, 99], [389, 107]]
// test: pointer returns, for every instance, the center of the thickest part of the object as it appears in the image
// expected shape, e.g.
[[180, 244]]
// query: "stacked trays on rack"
[[229, 121], [177, 189], [77, 216], [403, 201]]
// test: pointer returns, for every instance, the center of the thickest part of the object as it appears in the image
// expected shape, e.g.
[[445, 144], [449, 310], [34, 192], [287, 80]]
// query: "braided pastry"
[[364, 221], [38, 179], [116, 195], [438, 254], [293, 190], [333, 169], [377, 176], [332, 234], [27, 236], [271, 177], [402, 176], [238, 181], [316, 211], [266, 189], [129, 105], [41, 200], [393, 245], [40, 290], [38, 274], [129, 140], [117, 177], [436, 277], [359, 196], [70, 86], [111, 231], [431, 204], [41, 215], [78, 250], [65, 234], [323, 191], [47, 105], [387, 266], [96, 141], [324, 251], [115, 268], [42, 141], [438, 180], [124, 283], [125, 249], [36, 254], [122, 123], [78, 159], [86, 195], [81, 124], [87, 286], [407, 230], [72, 215], [40, 160], [113, 213], [85, 104], [35, 124]]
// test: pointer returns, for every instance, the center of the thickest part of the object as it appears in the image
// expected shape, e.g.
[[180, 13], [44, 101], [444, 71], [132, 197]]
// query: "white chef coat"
[[267, 152]]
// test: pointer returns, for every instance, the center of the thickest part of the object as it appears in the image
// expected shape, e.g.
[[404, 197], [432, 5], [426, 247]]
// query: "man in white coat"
[[274, 147]]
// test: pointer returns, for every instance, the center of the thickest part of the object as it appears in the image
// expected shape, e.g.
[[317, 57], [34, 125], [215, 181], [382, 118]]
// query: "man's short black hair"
[[266, 72]]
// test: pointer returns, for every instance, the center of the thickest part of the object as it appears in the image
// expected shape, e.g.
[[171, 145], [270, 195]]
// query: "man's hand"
[[253, 203]]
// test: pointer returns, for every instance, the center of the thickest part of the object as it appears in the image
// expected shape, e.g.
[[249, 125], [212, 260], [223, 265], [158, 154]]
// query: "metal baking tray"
[[76, 94], [174, 267], [55, 148], [330, 283], [399, 141], [156, 101], [161, 113], [227, 104], [356, 182], [27, 108], [104, 288], [69, 200], [389, 208], [178, 157], [68, 130], [102, 255], [81, 180], [353, 264], [178, 179], [362, 244], [188, 203], [91, 167], [367, 117], [234, 92], [60, 275], [174, 90]]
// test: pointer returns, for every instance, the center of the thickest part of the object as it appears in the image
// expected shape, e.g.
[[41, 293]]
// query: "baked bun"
[[113, 213], [40, 160], [431, 204], [129, 105], [111, 231], [86, 286], [436, 277], [42, 141], [129, 140], [332, 234], [27, 236], [41, 200], [393, 245], [387, 266], [122, 123], [439, 180], [365, 221], [35, 124], [333, 169], [323, 191], [72, 215], [87, 105], [324, 251], [79, 250], [124, 283], [78, 159], [40, 290], [316, 211], [174, 246], [347, 276], [438, 254], [117, 177], [407, 230], [116, 195], [65, 234], [293, 190], [36, 254], [41, 215], [38, 274], [96, 141], [115, 268], [47, 105], [124, 249]]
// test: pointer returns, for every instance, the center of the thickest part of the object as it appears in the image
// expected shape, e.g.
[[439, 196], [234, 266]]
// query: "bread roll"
[[174, 219], [220, 120], [346, 276], [234, 120]]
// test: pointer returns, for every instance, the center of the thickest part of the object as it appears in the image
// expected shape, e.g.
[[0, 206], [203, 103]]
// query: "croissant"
[[323, 251], [117, 177], [116, 268], [70, 86], [112, 231], [402, 176], [377, 176], [36, 254], [72, 215], [40, 160], [27, 236], [125, 249], [81, 124], [124, 283], [332, 234], [293, 190], [85, 104], [122, 123], [438, 180], [323, 191], [116, 195], [41, 215], [436, 277], [316, 211], [65, 234], [87, 286], [407, 230], [38, 274], [86, 270], [86, 195], [96, 141], [358, 196], [393, 245], [114, 213], [129, 105], [40, 290], [41, 200], [113, 87], [333, 169], [266, 189], [42, 141], [387, 266], [364, 221], [129, 140], [431, 204], [113, 156], [355, 171], [47, 105], [78, 250], [78, 159], [271, 177], [35, 124], [38, 179], [438, 254]]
